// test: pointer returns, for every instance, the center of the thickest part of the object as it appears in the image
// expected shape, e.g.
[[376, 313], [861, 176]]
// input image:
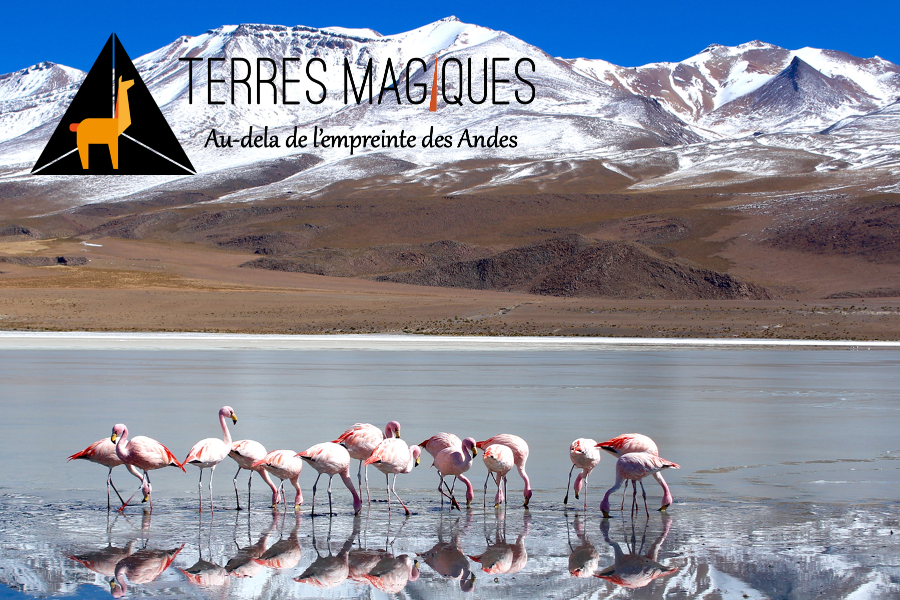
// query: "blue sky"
[[72, 33]]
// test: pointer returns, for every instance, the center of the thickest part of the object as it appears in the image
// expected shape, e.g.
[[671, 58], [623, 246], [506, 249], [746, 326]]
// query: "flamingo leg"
[[200, 492], [368, 497], [624, 492], [211, 473], [316, 483], [644, 494], [114, 489], [236, 496], [633, 497], [387, 481], [499, 498], [484, 498], [330, 479], [249, 488], [394, 489], [453, 502], [505, 490], [568, 485], [585, 489]]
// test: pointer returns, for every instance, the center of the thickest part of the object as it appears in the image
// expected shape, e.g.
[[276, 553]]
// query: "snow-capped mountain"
[[707, 82], [649, 124]]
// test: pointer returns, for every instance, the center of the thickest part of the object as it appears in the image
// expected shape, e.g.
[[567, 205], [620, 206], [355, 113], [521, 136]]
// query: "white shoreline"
[[16, 340]]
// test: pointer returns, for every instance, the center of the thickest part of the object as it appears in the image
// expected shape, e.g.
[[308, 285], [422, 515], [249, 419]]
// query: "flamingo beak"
[[146, 497], [397, 434], [417, 462], [605, 514], [663, 508], [234, 418], [474, 451], [113, 438], [112, 584]]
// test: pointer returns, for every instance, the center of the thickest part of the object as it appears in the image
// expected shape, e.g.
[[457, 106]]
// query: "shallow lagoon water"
[[788, 486]]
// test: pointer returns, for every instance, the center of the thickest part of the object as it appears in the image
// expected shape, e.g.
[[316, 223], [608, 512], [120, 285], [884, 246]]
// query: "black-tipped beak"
[[397, 434], [233, 418], [113, 438]]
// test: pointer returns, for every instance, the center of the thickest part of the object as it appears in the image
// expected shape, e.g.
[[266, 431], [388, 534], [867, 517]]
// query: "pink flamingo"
[[433, 446], [393, 456], [143, 566], [520, 455], [584, 455], [331, 459], [144, 453], [499, 460], [361, 440], [634, 442], [634, 467], [245, 453], [103, 452], [456, 460], [283, 464], [208, 453]]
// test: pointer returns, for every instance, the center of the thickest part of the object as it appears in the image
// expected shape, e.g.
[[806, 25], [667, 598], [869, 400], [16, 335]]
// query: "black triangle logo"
[[113, 126]]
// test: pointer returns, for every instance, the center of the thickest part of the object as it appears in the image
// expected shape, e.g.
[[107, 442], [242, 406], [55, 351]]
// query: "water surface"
[[788, 486]]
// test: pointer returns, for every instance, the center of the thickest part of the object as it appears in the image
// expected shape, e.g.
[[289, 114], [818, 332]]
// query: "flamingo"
[[208, 453], [331, 459], [393, 456], [144, 453], [584, 455], [449, 561], [103, 452], [456, 460], [634, 442], [245, 453], [499, 460], [634, 467], [143, 566], [361, 440], [520, 454], [433, 446], [283, 464]]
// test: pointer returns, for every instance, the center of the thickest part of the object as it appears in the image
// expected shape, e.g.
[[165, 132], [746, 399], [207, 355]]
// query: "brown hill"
[[572, 265]]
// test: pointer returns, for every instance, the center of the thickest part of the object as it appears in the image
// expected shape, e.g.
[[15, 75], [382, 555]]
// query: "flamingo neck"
[[122, 449], [226, 435], [527, 481], [357, 503], [667, 495]]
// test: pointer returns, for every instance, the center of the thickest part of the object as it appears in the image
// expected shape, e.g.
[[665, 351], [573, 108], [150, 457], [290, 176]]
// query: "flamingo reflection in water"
[[285, 553], [243, 564], [329, 571], [501, 558], [203, 572], [141, 567], [104, 561], [633, 569], [584, 559], [448, 559]]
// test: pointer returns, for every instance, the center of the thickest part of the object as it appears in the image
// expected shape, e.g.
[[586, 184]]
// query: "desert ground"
[[711, 264]]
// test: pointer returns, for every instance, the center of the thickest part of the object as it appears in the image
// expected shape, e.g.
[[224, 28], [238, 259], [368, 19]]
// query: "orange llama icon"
[[105, 131]]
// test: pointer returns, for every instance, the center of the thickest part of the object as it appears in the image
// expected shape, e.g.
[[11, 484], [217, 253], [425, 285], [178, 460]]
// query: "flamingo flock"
[[637, 458]]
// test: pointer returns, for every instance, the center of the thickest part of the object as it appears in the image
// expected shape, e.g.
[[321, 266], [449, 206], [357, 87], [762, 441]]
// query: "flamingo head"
[[467, 585], [472, 445], [118, 431], [415, 452], [147, 489], [392, 430], [115, 589], [414, 571], [228, 413]]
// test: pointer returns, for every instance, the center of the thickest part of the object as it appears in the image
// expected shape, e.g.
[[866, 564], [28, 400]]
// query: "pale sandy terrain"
[[150, 286]]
